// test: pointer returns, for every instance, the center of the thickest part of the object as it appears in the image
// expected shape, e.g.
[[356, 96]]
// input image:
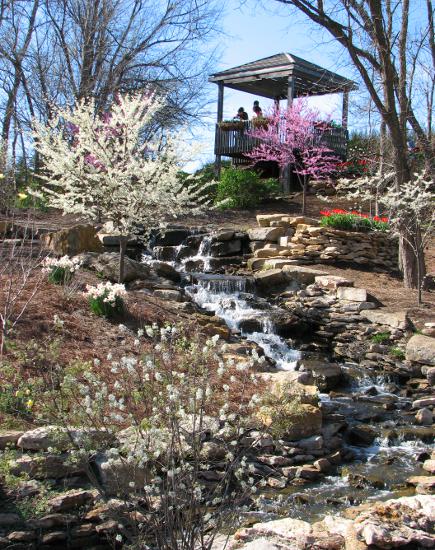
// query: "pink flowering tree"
[[293, 137]]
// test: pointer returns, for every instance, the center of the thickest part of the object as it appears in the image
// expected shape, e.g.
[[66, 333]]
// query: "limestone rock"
[[44, 466], [393, 319], [352, 294], [430, 374], [331, 281], [327, 376], [425, 485], [361, 434], [424, 417], [270, 278], [170, 236], [266, 233], [295, 422], [223, 235], [304, 275], [226, 248], [263, 220], [429, 466], [41, 439], [119, 476], [73, 240], [169, 294], [421, 349], [70, 500], [9, 438], [423, 402], [278, 263]]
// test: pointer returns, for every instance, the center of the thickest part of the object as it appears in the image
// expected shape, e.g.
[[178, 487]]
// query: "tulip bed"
[[353, 221]]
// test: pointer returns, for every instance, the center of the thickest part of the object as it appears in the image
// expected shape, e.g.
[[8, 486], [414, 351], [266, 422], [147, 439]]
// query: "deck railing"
[[238, 142]]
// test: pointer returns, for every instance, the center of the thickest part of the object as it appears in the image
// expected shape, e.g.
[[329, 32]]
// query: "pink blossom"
[[294, 136]]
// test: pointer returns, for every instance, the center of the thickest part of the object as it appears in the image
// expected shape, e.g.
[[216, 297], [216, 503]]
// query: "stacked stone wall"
[[282, 240]]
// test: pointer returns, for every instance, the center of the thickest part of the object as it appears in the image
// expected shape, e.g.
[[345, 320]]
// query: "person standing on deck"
[[242, 114], [257, 109]]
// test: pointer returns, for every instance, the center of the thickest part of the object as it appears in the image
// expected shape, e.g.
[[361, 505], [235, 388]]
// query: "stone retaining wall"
[[283, 237]]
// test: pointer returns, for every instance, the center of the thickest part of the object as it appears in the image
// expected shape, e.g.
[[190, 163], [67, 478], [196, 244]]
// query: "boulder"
[[423, 402], [271, 234], [352, 294], [226, 248], [327, 376], [424, 485], [170, 236], [73, 240], [278, 263], [165, 270], [255, 263], [270, 278], [430, 374], [429, 466], [119, 476], [361, 435], [111, 240], [70, 500], [264, 220], [392, 319], [168, 294], [223, 235], [421, 349], [9, 438], [44, 466], [107, 265], [424, 417], [41, 439], [331, 281], [293, 421], [303, 275]]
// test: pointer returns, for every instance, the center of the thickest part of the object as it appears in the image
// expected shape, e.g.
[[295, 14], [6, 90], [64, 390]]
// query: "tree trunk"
[[122, 248]]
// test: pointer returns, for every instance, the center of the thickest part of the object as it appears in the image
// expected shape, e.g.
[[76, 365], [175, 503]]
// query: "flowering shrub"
[[353, 221], [106, 299], [61, 270], [173, 414]]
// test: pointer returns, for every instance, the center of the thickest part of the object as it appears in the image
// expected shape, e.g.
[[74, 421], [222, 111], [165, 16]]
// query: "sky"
[[250, 34]]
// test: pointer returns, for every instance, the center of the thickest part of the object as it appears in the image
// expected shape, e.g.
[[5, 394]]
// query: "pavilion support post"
[[345, 110], [220, 114], [286, 171]]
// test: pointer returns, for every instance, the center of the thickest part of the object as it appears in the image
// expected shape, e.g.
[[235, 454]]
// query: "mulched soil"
[[387, 288]]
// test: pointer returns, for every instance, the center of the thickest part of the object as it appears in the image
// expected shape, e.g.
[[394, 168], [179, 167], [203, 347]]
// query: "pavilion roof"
[[269, 77]]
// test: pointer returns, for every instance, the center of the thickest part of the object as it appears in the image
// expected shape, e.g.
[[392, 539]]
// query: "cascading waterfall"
[[226, 298], [203, 255], [383, 466]]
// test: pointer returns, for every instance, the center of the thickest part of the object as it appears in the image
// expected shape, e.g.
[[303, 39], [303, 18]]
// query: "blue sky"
[[253, 34]]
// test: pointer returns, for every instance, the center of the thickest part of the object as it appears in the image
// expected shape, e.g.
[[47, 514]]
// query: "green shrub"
[[243, 189], [380, 337]]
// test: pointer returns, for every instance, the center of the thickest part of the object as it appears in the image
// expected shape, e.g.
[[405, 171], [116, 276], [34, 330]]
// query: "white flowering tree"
[[100, 165], [410, 209]]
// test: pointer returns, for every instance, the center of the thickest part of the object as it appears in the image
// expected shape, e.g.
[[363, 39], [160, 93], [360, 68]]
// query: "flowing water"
[[378, 471]]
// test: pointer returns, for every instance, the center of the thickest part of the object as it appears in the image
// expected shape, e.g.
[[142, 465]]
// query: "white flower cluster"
[[126, 180], [67, 263], [108, 291]]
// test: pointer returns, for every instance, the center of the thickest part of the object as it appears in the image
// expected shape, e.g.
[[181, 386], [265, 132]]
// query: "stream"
[[377, 471]]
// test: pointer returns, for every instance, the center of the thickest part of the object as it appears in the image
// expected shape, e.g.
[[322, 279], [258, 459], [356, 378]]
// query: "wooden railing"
[[238, 142]]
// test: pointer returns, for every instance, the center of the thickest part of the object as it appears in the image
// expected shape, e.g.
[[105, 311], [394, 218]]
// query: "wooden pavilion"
[[281, 76]]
